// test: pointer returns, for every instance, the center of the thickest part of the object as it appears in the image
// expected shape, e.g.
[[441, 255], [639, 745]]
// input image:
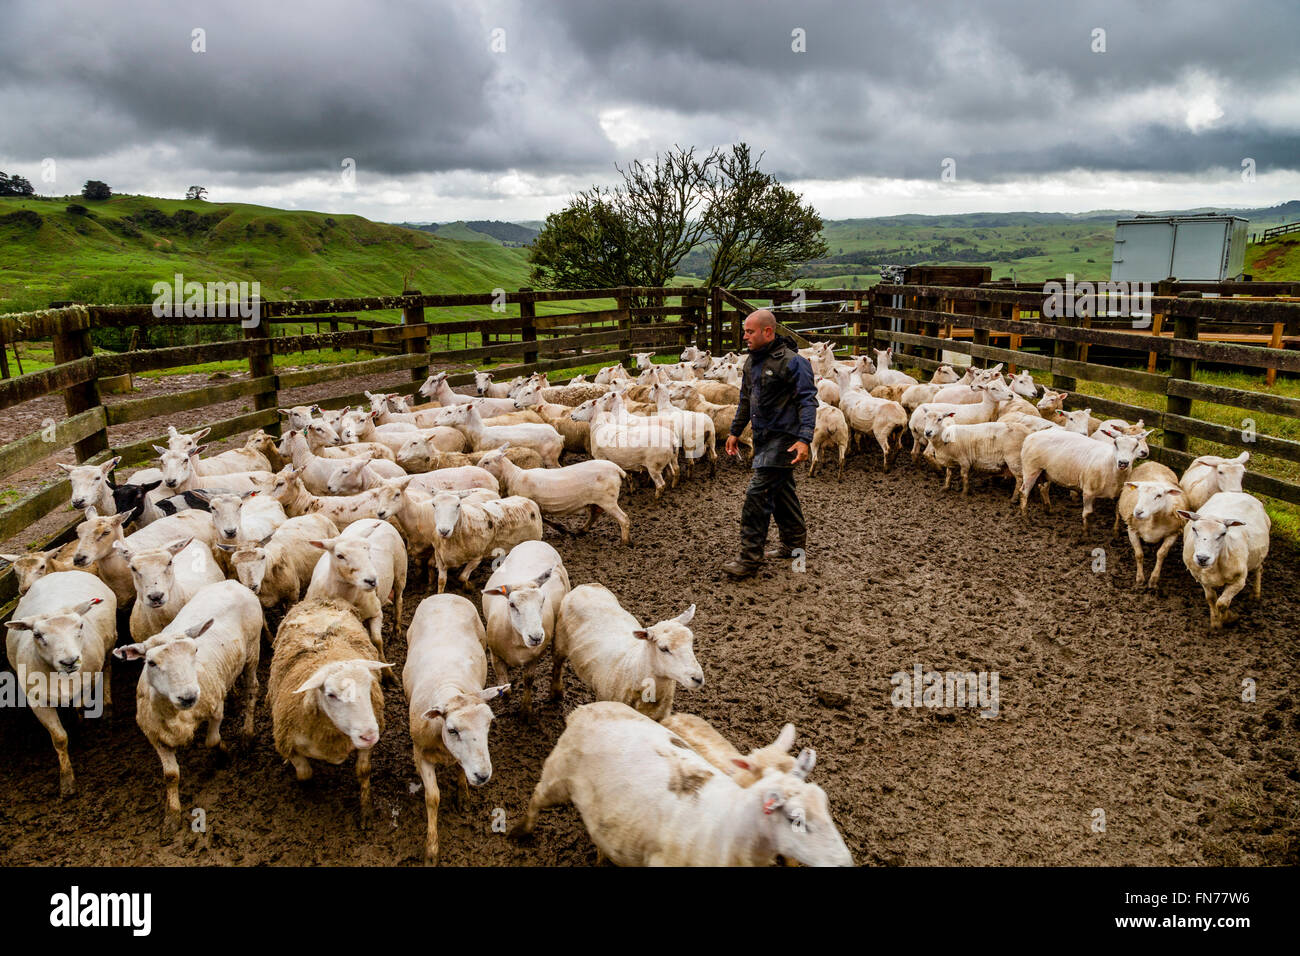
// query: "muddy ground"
[[1112, 701]]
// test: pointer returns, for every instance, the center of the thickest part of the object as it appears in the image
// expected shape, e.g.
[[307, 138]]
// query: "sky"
[[423, 110]]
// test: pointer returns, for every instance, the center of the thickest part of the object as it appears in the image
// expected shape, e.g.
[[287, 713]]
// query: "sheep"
[[315, 472], [247, 517], [298, 417], [986, 446], [1097, 469], [571, 395], [1051, 402], [57, 644], [719, 751], [645, 360], [267, 446], [354, 475], [1079, 421], [486, 388], [592, 485], [617, 658], [647, 799], [277, 567], [831, 431], [522, 416], [166, 579], [325, 701], [323, 441], [520, 603], [923, 422], [542, 438], [963, 392], [1035, 423], [695, 430], [342, 510], [686, 395], [190, 668], [576, 434], [605, 376], [436, 388], [889, 376], [92, 485], [1225, 540], [97, 538], [632, 444], [1149, 505], [828, 391], [921, 392], [866, 415], [443, 678], [463, 531], [364, 565], [359, 426], [418, 457], [1207, 475], [180, 467], [30, 568], [890, 393]]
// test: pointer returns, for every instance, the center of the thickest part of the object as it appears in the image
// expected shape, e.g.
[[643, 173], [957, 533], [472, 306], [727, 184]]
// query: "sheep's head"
[[351, 561], [1154, 497], [250, 563], [95, 537], [670, 646], [1228, 472], [90, 483], [935, 421], [57, 637], [797, 816], [525, 603], [1207, 536], [170, 664], [1023, 384], [154, 572], [342, 692], [466, 719]]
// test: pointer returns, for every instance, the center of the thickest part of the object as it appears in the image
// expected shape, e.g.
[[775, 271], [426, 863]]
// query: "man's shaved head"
[[760, 328]]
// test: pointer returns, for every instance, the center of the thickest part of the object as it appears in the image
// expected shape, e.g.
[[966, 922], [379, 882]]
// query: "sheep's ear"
[[1243, 457], [160, 450], [433, 713], [785, 739], [375, 665], [1174, 491], [742, 763], [129, 652], [19, 625], [491, 693], [804, 763], [198, 629], [176, 547], [686, 616], [149, 486], [641, 635], [121, 519], [201, 493], [1187, 515], [107, 467], [283, 412], [68, 468], [1233, 523], [248, 494], [773, 800], [315, 680], [11, 558], [85, 606], [198, 451], [502, 589], [1130, 484], [541, 579], [326, 545], [227, 547]]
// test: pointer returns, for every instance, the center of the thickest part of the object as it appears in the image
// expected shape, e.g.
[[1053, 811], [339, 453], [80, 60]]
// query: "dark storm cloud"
[[1006, 88]]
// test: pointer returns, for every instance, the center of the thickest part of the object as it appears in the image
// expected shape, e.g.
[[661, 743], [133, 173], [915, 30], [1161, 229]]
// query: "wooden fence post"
[[624, 322], [413, 314], [1164, 287], [871, 324], [699, 313], [68, 347], [528, 330], [1185, 327], [979, 336], [260, 365], [715, 319], [1069, 351]]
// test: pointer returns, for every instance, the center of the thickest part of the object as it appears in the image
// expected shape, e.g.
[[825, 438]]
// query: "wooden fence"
[[990, 322]]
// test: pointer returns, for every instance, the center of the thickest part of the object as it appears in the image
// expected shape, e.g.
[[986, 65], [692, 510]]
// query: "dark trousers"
[[770, 495]]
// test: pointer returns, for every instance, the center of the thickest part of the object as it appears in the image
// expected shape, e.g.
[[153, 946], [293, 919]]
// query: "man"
[[778, 396]]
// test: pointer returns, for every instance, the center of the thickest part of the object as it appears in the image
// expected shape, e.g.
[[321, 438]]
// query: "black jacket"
[[777, 394]]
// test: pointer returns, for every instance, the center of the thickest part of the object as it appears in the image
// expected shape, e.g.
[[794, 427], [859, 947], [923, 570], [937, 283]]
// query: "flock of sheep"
[[326, 522]]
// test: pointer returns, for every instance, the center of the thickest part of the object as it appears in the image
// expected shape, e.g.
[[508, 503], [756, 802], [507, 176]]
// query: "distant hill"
[[116, 249], [479, 230]]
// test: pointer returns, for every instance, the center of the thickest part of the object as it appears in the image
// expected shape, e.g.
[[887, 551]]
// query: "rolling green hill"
[[117, 249]]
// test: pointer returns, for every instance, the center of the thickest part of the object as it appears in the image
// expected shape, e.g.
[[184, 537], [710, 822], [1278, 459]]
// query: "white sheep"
[[542, 438], [278, 567], [746, 769], [695, 431], [1097, 469], [250, 516], [830, 432], [647, 801], [57, 643], [1224, 541], [165, 580], [444, 678], [325, 700], [591, 485], [1207, 475], [631, 443], [97, 537], [365, 566], [520, 603], [617, 658], [31, 566], [189, 669], [1149, 506], [463, 531], [986, 446]]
